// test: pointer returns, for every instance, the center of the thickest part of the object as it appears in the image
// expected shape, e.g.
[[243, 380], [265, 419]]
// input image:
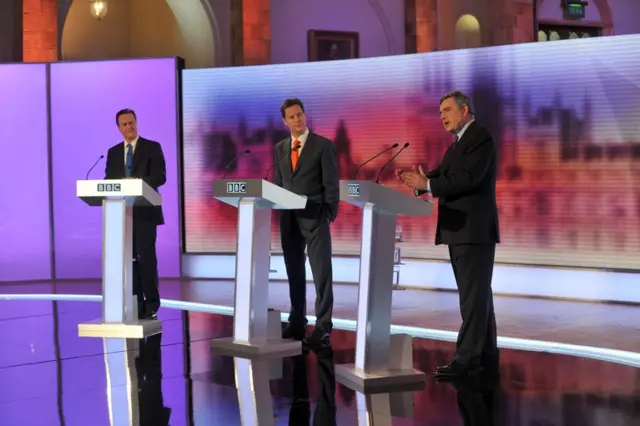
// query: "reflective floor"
[[50, 376], [605, 325]]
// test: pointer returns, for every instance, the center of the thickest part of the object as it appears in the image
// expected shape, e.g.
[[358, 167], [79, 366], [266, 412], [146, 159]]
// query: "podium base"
[[273, 348], [139, 329], [381, 381]]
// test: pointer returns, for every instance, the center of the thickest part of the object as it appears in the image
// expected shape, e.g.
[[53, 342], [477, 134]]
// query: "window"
[[549, 32]]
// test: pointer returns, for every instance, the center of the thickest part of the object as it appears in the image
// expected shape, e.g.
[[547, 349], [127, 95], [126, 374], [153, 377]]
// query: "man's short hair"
[[124, 112], [289, 103], [461, 100]]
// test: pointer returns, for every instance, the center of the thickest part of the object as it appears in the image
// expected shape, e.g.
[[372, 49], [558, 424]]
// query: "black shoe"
[[319, 338], [455, 369], [294, 332], [151, 311]]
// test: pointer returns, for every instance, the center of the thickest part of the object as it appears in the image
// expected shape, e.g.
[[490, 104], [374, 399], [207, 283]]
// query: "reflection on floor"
[[49, 376], [604, 325]]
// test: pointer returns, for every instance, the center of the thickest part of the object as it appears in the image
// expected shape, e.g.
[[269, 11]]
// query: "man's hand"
[[415, 179]]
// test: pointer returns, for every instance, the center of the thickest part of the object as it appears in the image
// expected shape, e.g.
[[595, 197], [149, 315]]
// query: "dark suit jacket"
[[465, 185], [149, 165], [316, 176]]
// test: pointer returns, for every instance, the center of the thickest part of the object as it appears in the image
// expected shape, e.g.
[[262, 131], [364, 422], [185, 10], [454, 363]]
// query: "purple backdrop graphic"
[[25, 251], [85, 97]]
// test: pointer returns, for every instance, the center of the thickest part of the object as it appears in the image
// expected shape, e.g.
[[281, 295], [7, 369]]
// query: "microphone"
[[389, 162], [226, 168], [266, 175], [92, 167], [395, 145]]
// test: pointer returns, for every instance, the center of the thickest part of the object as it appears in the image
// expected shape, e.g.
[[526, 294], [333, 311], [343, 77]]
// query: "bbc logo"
[[353, 189], [236, 187], [109, 187]]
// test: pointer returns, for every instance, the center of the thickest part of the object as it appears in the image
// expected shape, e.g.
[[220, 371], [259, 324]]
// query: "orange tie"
[[295, 154]]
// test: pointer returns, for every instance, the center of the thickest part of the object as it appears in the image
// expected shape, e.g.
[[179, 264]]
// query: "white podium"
[[254, 392], [377, 368], [380, 409], [122, 377], [255, 333], [119, 307]]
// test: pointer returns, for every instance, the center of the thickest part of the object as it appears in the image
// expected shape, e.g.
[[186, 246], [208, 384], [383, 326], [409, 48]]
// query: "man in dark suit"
[[140, 158], [307, 165], [465, 185]]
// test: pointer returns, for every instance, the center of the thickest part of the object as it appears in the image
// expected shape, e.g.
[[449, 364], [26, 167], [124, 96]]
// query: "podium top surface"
[[135, 191], [362, 192], [267, 194]]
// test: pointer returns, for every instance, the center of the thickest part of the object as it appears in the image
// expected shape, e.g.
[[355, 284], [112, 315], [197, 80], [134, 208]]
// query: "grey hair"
[[461, 100]]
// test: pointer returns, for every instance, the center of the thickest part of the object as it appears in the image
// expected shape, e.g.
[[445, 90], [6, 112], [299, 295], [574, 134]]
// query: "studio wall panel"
[[85, 97], [25, 248], [565, 115]]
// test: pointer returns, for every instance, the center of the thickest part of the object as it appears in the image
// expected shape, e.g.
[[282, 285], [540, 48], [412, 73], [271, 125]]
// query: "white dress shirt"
[[302, 139], [133, 149], [464, 128]]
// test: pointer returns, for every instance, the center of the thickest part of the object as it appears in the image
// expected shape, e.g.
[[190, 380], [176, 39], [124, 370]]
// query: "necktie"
[[295, 154], [129, 160], [455, 141]]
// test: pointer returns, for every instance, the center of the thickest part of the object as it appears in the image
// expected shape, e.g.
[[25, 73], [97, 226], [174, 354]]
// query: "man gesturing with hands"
[[465, 185]]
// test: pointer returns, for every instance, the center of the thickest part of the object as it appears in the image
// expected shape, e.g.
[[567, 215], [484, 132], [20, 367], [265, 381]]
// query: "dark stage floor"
[[50, 376]]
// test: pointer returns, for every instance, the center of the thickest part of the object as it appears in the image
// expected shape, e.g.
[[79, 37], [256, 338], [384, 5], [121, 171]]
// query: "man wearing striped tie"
[[306, 164], [140, 158]]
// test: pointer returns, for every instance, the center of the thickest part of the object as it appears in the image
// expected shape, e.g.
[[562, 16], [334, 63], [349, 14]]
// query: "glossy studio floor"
[[50, 376]]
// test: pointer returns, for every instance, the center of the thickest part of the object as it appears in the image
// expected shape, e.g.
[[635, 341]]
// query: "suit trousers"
[[145, 271], [317, 239], [473, 269]]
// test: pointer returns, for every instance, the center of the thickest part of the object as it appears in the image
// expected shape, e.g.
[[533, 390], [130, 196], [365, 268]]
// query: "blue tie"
[[129, 160]]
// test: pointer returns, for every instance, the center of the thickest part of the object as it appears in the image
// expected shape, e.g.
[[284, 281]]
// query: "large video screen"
[[25, 245], [566, 116], [85, 97]]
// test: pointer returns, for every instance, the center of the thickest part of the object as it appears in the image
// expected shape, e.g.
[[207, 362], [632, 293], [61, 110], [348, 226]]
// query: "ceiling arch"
[[194, 21]]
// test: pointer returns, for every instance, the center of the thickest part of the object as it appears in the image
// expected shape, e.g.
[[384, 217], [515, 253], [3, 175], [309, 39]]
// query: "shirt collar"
[[464, 128], [133, 143], [302, 139]]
